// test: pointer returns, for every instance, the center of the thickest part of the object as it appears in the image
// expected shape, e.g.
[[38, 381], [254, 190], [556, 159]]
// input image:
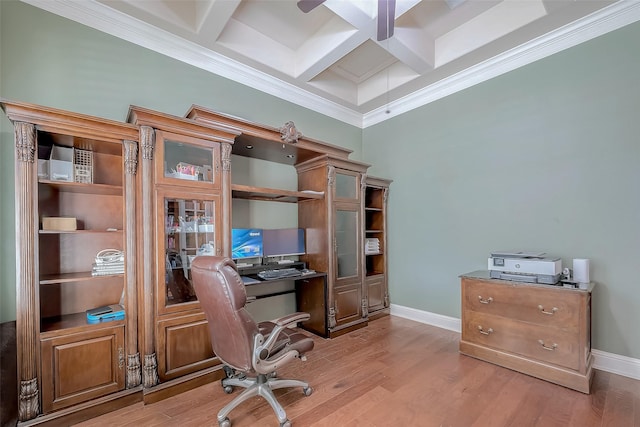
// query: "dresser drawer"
[[540, 305], [547, 344]]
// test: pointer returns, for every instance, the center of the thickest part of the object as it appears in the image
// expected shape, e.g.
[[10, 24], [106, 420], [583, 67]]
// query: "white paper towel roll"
[[581, 270]]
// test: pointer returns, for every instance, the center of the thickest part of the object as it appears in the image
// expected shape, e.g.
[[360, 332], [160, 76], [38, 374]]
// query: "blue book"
[[105, 313]]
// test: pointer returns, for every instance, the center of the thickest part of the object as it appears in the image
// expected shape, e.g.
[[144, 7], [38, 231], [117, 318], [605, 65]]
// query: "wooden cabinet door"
[[376, 292], [184, 346], [348, 304], [83, 366]]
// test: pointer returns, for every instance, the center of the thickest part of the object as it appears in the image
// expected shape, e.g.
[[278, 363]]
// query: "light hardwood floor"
[[397, 372]]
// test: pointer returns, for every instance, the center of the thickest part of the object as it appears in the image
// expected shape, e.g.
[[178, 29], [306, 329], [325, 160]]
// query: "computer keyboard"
[[279, 273]]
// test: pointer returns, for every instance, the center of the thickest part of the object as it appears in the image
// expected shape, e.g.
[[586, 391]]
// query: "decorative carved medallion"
[[28, 406], [365, 308], [25, 134], [150, 373], [131, 157], [134, 375], [386, 300], [331, 176], [148, 141], [289, 133], [226, 157], [385, 193]]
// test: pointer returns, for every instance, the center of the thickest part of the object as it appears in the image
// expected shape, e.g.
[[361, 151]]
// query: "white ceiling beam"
[[262, 48], [411, 46], [214, 19], [334, 41], [324, 54], [354, 15], [403, 6], [490, 25]]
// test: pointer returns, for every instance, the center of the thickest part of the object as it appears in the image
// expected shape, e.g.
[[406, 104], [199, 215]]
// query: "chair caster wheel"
[[285, 423], [228, 389], [224, 423], [307, 391]]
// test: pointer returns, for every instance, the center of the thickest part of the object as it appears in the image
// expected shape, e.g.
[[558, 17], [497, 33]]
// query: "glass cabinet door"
[[347, 186], [189, 231], [346, 243], [189, 160]]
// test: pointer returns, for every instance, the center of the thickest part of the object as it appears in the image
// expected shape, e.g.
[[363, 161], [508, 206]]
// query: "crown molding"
[[110, 21]]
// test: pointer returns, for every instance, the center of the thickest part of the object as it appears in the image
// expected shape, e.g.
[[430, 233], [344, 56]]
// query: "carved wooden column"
[[27, 329], [363, 285], [150, 368], [134, 376], [385, 196], [225, 190], [331, 244]]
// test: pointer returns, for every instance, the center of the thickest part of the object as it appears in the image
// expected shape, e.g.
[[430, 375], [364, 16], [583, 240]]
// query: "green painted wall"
[[543, 158], [55, 62]]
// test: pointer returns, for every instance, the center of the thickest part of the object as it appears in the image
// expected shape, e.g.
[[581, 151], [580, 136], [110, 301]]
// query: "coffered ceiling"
[[330, 60]]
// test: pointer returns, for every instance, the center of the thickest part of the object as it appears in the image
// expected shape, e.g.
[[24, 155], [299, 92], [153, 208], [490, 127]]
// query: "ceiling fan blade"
[[309, 5], [386, 18]]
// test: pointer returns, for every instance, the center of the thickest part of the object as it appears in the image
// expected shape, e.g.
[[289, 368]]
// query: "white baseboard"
[[608, 362]]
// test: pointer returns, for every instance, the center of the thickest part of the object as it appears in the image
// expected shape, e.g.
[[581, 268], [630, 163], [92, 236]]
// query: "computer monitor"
[[246, 243], [283, 242]]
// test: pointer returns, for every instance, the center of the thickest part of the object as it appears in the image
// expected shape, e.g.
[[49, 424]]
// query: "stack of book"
[[108, 262], [372, 245]]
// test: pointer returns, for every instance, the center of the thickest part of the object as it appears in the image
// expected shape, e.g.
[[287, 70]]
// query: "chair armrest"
[[292, 318], [281, 323]]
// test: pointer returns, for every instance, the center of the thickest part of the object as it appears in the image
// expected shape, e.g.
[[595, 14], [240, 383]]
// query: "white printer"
[[525, 267]]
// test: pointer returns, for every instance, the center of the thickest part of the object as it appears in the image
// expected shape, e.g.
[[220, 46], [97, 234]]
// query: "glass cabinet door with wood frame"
[[187, 161], [189, 229], [346, 218]]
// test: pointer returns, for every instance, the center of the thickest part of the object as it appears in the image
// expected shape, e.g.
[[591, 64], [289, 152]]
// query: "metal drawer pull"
[[484, 301], [483, 332], [542, 310], [552, 348]]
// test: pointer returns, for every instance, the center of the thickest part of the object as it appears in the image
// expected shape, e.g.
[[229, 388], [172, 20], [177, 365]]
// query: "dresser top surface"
[[484, 275]]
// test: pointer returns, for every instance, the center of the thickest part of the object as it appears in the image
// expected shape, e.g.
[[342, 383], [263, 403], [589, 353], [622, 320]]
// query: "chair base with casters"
[[262, 385], [251, 352]]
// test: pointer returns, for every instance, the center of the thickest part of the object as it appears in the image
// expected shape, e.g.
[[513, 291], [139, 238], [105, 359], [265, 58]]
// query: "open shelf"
[[78, 187], [50, 279], [272, 195], [50, 326], [78, 231]]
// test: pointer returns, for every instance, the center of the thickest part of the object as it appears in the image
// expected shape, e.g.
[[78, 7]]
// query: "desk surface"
[[252, 279]]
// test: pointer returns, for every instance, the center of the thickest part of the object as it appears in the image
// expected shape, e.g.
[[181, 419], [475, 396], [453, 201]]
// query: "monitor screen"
[[246, 243], [283, 242]]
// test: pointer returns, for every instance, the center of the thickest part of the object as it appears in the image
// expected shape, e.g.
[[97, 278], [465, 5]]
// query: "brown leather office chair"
[[252, 352]]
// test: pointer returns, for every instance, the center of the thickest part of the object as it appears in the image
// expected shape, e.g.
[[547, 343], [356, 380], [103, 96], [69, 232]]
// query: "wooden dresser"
[[540, 330]]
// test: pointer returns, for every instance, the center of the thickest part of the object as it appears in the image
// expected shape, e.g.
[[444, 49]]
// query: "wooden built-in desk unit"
[[158, 190]]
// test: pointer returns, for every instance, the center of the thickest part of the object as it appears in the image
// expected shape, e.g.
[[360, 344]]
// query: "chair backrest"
[[222, 296]]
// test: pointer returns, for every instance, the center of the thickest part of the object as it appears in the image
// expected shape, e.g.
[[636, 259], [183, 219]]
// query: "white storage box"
[[43, 168], [61, 164]]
